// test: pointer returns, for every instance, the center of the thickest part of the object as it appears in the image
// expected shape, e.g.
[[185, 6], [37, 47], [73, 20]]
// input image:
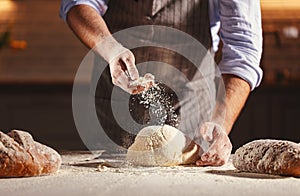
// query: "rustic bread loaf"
[[21, 156], [269, 157]]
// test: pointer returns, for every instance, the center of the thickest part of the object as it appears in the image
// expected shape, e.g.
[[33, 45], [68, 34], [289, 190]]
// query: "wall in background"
[[36, 83], [281, 26], [280, 4], [53, 53]]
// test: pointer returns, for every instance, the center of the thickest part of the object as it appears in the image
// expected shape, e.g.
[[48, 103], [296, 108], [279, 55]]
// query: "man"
[[239, 24]]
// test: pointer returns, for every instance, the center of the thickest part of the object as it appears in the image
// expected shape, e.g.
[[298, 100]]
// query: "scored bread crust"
[[21, 156], [269, 156]]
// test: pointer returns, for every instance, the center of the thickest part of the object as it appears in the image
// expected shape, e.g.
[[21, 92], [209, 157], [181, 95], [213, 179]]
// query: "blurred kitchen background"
[[39, 57]]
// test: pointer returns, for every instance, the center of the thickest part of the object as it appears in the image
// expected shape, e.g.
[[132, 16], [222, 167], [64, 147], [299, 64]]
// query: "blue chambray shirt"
[[236, 22]]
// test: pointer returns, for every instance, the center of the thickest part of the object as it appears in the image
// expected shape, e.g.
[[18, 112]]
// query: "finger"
[[215, 161], [209, 155], [220, 142], [209, 163], [204, 157], [219, 154], [221, 160], [119, 78], [131, 68], [213, 149], [122, 81], [213, 158], [202, 163], [215, 152], [115, 74]]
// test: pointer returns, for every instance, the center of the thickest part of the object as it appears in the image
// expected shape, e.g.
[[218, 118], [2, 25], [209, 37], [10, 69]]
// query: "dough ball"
[[162, 146]]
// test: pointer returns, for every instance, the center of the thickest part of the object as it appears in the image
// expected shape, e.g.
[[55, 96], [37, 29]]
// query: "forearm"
[[241, 33], [91, 29], [236, 93], [87, 25]]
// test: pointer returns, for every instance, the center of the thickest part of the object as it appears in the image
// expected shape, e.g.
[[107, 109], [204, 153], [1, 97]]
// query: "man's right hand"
[[92, 30], [121, 62], [123, 69]]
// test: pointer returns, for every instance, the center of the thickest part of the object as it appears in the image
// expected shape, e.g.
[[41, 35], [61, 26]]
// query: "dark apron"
[[190, 16]]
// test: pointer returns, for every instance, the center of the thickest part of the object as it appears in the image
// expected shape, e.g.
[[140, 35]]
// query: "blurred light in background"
[[280, 4], [290, 32], [8, 10], [7, 5]]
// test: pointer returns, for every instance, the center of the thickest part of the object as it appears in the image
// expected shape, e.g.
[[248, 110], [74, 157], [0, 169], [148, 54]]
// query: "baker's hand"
[[123, 69], [121, 62], [215, 144]]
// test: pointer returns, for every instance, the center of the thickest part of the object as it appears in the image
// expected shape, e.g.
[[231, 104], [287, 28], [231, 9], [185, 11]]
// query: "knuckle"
[[116, 74], [126, 60]]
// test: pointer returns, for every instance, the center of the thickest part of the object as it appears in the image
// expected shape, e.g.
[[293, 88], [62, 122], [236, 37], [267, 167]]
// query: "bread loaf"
[[270, 157], [21, 156]]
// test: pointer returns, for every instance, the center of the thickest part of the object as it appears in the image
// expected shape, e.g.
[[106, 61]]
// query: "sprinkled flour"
[[141, 84], [155, 106]]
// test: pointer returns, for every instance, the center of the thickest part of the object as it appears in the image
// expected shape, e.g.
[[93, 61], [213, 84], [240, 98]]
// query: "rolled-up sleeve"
[[99, 5], [241, 33]]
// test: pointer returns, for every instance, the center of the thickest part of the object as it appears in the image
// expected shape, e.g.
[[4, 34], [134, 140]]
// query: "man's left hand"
[[216, 145]]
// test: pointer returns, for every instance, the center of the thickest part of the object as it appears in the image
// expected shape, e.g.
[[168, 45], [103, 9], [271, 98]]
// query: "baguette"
[[21, 156], [269, 157]]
